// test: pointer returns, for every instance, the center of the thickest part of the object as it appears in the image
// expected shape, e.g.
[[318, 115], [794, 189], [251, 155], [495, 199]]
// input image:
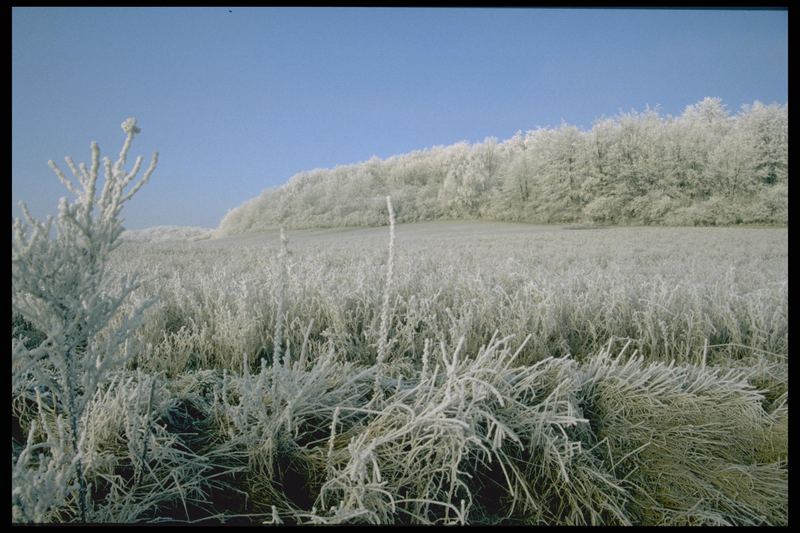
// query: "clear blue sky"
[[237, 102]]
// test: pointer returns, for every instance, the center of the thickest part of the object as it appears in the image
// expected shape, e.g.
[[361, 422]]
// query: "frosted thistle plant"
[[61, 286]]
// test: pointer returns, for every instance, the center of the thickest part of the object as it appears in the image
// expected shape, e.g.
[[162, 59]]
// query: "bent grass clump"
[[689, 441]]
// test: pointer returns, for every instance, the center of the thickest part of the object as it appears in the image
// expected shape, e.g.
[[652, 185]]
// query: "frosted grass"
[[672, 291], [532, 375]]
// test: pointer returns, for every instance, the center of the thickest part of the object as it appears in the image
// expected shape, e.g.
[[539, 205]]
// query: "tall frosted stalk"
[[282, 258], [383, 338]]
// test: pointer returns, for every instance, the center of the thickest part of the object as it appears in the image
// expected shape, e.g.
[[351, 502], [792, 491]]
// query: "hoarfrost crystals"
[[129, 126]]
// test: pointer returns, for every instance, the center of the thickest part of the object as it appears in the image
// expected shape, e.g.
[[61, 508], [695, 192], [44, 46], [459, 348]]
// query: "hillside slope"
[[166, 233]]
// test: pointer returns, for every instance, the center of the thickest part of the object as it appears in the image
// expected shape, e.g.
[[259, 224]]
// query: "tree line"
[[704, 167]]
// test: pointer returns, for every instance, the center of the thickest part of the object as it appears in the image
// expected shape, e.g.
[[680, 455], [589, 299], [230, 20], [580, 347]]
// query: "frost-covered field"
[[668, 290], [532, 374], [449, 372]]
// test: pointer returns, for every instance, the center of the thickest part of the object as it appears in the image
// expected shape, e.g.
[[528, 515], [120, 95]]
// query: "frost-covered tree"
[[600, 184], [463, 182], [61, 285], [731, 166], [517, 181], [705, 126], [765, 130], [562, 173]]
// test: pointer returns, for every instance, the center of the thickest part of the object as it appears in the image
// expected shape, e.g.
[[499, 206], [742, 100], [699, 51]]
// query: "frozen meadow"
[[538, 374], [668, 290], [450, 372]]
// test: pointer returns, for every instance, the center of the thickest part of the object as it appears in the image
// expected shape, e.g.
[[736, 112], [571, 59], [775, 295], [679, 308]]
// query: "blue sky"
[[239, 101]]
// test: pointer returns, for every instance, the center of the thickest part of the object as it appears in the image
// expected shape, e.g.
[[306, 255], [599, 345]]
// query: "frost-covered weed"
[[62, 287], [98, 446]]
